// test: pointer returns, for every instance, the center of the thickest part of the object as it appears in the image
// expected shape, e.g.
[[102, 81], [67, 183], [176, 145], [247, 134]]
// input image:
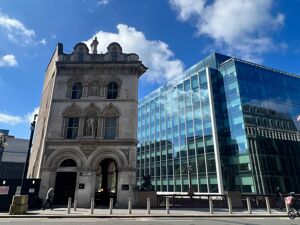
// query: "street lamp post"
[[28, 156], [190, 192]]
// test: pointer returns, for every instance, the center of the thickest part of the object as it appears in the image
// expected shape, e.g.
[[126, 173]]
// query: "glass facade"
[[271, 108], [228, 125]]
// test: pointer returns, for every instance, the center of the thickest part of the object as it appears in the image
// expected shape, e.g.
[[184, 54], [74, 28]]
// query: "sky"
[[169, 36]]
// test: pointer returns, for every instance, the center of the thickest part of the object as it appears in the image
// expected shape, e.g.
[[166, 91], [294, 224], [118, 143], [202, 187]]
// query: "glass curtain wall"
[[236, 166], [175, 138], [271, 104], [257, 116]]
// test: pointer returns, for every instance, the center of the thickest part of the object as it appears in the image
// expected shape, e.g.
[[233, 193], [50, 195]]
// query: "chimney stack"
[[94, 46]]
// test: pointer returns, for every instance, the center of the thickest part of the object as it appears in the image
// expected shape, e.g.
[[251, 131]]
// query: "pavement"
[[151, 221], [139, 213]]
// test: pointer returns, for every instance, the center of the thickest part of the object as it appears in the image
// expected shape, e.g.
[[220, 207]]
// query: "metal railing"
[[197, 201], [219, 201]]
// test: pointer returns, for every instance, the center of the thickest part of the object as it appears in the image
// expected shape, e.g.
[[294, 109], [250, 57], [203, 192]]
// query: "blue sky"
[[169, 35]]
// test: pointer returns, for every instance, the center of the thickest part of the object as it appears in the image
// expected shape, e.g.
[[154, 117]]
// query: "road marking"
[[174, 220], [159, 220], [256, 218]]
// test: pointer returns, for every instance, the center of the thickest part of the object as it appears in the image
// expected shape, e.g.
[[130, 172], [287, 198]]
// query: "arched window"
[[112, 90], [114, 54], [258, 121], [110, 127], [72, 127], [68, 163], [277, 124], [265, 122], [271, 123], [76, 91]]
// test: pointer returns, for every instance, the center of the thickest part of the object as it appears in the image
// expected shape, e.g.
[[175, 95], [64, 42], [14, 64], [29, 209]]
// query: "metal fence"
[[219, 201], [10, 187], [197, 201]]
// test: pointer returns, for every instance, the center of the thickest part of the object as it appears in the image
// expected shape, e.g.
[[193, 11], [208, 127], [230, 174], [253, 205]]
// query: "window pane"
[[76, 91], [110, 128], [72, 128], [112, 90]]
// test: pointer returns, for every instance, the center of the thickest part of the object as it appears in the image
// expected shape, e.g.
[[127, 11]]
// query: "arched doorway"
[[106, 182], [65, 182]]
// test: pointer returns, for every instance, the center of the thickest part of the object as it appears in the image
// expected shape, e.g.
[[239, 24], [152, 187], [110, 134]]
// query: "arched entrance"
[[65, 182], [106, 182]]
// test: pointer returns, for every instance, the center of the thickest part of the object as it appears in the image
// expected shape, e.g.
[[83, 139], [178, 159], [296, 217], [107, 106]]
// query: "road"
[[153, 221]]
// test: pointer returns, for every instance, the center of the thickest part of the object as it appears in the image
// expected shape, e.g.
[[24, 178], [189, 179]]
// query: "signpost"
[[4, 190]]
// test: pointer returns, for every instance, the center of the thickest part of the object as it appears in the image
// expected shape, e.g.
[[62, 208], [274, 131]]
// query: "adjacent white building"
[[12, 156]]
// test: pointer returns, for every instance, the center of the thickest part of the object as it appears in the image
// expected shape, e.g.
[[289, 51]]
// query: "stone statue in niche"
[[90, 127], [94, 89]]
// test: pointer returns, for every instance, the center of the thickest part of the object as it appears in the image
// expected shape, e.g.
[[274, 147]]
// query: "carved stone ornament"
[[126, 153], [94, 89], [87, 151]]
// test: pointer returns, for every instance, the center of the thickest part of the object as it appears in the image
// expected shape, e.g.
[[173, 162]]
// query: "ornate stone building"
[[85, 138]]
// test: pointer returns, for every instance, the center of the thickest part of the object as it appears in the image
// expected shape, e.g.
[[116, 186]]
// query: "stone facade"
[[88, 113]]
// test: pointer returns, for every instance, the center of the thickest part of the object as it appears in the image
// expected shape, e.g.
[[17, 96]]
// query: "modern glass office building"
[[227, 125]]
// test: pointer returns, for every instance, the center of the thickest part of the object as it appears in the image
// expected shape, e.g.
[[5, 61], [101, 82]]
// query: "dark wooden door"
[[65, 185]]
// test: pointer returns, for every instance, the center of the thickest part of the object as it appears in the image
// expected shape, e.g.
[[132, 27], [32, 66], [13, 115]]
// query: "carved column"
[[117, 128], [64, 126], [103, 91], [85, 90], [100, 127], [81, 126], [68, 93]]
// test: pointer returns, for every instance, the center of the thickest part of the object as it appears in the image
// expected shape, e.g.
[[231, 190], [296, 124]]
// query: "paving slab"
[[118, 213]]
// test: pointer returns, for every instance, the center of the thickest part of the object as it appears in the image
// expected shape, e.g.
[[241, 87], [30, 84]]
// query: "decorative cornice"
[[92, 142], [99, 99], [78, 169], [103, 68]]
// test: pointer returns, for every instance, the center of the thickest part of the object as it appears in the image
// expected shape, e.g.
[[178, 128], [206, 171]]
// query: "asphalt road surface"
[[153, 221]]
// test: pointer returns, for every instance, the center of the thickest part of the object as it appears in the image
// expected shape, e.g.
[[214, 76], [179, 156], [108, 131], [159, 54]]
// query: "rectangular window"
[[114, 56], [195, 83], [80, 56], [72, 129], [110, 129], [187, 85]]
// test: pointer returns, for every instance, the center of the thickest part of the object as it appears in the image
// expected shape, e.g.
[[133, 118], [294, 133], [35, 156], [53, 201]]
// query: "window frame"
[[76, 93], [72, 127], [108, 128], [113, 91]]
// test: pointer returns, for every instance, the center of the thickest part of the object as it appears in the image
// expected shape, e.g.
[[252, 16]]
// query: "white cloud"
[[155, 54], [240, 27], [17, 31], [43, 41], [13, 120], [9, 119], [102, 2], [188, 8], [8, 60]]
